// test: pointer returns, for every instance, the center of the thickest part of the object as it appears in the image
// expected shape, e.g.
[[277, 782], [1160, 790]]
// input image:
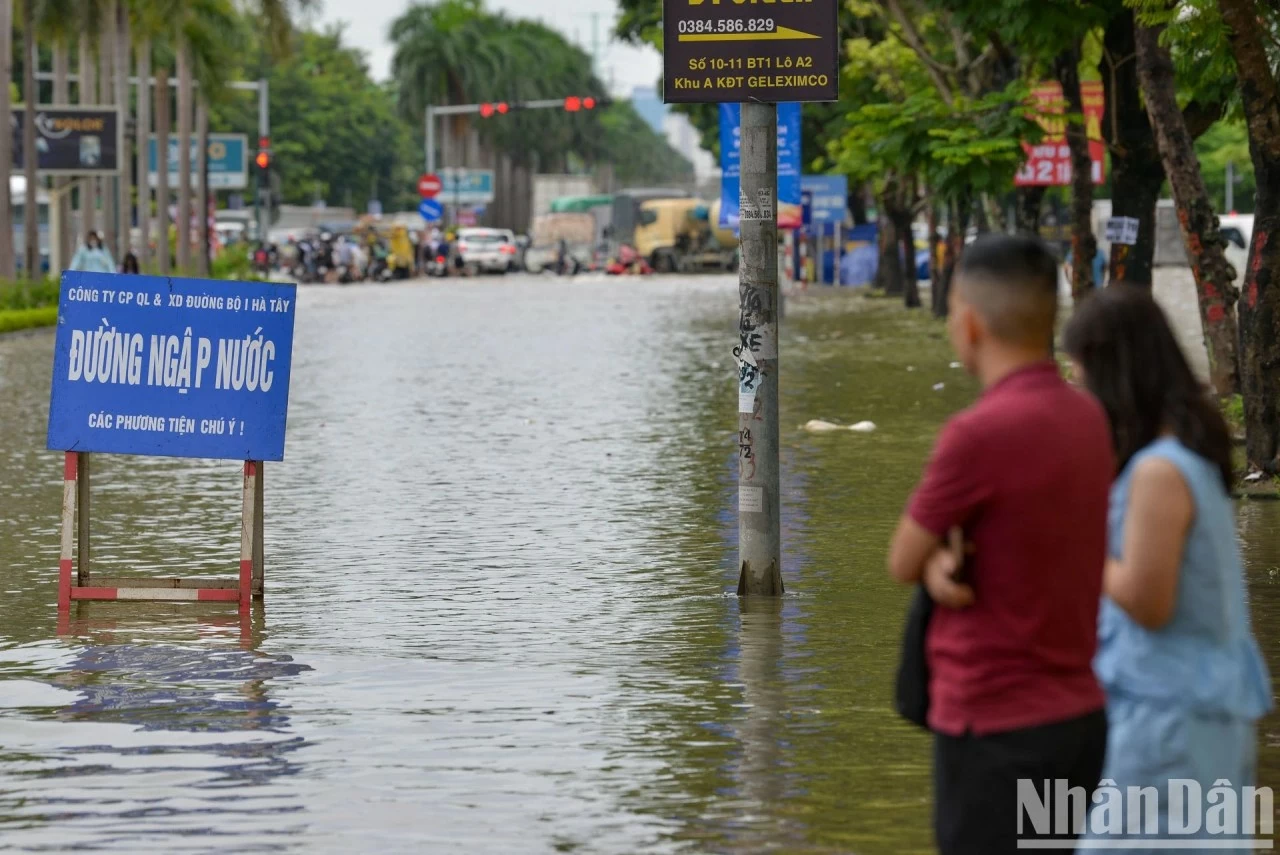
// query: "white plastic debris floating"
[[820, 426]]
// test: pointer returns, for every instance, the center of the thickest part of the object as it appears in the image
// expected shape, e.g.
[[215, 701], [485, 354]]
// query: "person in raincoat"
[[93, 257]]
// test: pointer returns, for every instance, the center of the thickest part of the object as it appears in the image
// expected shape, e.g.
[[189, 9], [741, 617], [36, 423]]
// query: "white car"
[[486, 250]]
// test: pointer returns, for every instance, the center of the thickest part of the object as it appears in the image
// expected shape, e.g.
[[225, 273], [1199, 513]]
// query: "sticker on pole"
[[1122, 230], [717, 51], [171, 367]]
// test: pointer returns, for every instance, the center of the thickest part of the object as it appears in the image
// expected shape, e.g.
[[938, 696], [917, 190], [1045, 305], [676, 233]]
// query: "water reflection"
[[151, 727]]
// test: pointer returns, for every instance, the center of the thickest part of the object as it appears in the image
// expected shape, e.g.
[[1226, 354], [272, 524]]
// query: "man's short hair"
[[1012, 282]]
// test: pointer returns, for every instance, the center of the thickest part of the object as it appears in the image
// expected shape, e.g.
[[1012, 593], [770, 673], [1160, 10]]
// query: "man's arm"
[[911, 547], [944, 500]]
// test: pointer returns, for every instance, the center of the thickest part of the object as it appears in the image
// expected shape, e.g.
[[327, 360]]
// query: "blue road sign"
[[829, 195], [431, 210], [228, 158], [788, 207], [466, 186], [171, 367]]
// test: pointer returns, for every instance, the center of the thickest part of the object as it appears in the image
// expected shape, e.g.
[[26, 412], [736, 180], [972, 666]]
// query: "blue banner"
[[788, 165], [171, 367]]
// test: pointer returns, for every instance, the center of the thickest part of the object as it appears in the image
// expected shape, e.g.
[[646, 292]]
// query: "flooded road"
[[499, 612]]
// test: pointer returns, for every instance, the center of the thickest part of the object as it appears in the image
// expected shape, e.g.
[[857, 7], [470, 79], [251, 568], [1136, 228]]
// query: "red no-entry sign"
[[429, 186]]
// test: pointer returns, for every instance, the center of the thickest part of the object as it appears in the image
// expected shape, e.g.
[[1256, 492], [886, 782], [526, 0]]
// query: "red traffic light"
[[263, 160], [572, 104], [502, 107], [588, 103], [486, 110], [264, 142]]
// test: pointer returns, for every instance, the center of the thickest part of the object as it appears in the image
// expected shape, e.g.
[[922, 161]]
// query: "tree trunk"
[[1200, 231], [1260, 308], [993, 214], [184, 158], [31, 202], [6, 142], [61, 95], [858, 205], [143, 63], [162, 170], [1136, 171], [889, 270], [910, 285], [935, 269], [1030, 200], [107, 95], [202, 197], [124, 184], [1084, 246], [88, 94], [957, 226]]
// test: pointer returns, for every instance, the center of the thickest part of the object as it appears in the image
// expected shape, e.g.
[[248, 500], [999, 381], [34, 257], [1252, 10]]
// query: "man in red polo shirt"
[[1024, 474]]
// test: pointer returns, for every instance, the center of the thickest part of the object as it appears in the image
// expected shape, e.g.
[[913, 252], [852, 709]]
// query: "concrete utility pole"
[[759, 494]]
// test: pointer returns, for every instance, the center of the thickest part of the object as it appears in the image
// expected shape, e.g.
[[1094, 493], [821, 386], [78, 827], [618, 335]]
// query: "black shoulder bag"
[[911, 694]]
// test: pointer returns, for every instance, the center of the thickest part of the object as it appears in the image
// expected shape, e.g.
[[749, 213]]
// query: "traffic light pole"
[[264, 132], [429, 120]]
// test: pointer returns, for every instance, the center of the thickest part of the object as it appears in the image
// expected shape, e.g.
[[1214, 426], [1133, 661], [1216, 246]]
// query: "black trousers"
[[975, 808]]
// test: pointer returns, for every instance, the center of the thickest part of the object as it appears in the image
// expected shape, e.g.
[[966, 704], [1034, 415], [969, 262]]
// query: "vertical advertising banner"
[[1049, 161], [789, 211]]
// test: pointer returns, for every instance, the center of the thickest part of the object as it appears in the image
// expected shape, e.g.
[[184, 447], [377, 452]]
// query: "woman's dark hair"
[[1134, 366]]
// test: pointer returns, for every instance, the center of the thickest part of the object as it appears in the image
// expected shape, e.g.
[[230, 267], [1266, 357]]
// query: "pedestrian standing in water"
[[1177, 658], [92, 256], [1023, 474]]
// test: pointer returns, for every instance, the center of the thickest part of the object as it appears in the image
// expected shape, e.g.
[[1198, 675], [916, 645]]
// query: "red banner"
[[1049, 161]]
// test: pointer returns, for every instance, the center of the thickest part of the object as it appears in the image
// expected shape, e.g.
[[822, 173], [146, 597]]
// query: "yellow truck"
[[683, 235]]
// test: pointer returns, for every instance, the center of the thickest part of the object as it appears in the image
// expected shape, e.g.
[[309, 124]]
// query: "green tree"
[[1227, 142], [335, 132]]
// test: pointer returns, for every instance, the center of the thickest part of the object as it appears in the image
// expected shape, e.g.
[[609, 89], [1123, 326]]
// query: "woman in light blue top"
[[1185, 682], [93, 256]]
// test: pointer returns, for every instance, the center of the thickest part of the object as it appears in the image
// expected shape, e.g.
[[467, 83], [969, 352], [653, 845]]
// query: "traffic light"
[[574, 103], [263, 160], [487, 110]]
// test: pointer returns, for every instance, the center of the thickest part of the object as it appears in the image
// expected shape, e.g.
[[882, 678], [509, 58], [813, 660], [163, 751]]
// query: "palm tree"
[[142, 59], [444, 55], [202, 194], [162, 166], [124, 183], [87, 94], [183, 53], [6, 141], [59, 22], [107, 95], [31, 204]]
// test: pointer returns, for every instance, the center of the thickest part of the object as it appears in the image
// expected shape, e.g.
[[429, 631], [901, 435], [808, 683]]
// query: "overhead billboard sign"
[[466, 186], [71, 140], [716, 51], [1049, 161], [227, 156], [788, 165], [171, 367]]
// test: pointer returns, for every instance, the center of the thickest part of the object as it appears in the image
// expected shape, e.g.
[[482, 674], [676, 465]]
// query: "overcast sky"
[[367, 22]]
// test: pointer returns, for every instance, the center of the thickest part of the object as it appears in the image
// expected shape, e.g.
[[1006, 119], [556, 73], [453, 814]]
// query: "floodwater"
[[499, 614]]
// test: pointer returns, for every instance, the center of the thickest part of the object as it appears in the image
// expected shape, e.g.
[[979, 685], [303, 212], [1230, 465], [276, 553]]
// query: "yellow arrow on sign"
[[780, 34]]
